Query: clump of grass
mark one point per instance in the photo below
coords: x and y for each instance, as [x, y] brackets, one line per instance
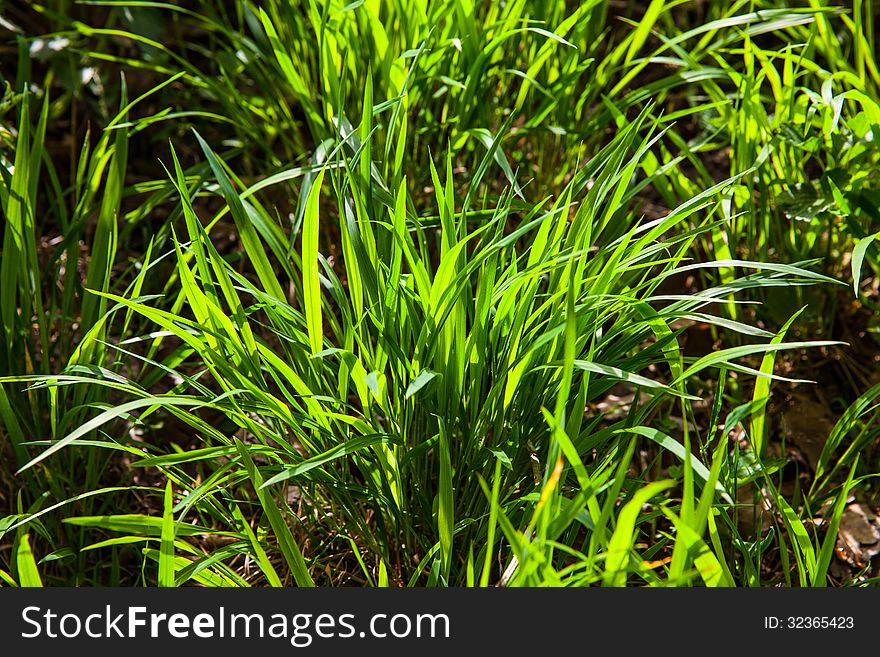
[447, 346]
[458, 352]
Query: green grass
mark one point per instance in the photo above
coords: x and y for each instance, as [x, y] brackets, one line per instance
[407, 295]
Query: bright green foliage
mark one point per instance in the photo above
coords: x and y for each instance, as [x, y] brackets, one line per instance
[448, 262]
